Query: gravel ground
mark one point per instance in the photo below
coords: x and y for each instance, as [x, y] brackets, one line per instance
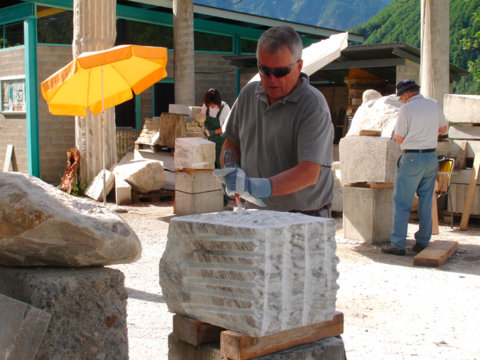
[392, 309]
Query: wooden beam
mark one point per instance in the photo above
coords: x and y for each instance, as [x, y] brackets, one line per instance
[436, 253]
[236, 346]
[470, 193]
[195, 332]
[10, 159]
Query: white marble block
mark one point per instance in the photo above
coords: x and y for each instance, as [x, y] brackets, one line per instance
[462, 108]
[368, 159]
[253, 271]
[194, 153]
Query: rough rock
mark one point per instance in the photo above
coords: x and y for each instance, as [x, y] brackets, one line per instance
[144, 175]
[95, 189]
[194, 153]
[41, 225]
[376, 114]
[257, 272]
[88, 309]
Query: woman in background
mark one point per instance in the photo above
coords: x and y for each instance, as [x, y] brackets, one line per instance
[216, 112]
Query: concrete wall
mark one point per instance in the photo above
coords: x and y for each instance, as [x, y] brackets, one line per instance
[13, 127]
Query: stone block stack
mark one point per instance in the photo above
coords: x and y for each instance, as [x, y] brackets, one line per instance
[463, 116]
[197, 190]
[367, 165]
[53, 251]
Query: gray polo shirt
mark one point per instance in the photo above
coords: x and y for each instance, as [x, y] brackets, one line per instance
[274, 138]
[418, 122]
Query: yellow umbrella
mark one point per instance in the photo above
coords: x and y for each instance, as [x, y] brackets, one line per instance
[102, 79]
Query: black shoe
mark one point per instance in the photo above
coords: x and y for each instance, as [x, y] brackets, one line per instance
[390, 249]
[417, 248]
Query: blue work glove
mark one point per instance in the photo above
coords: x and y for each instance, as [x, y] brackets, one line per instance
[238, 183]
[235, 181]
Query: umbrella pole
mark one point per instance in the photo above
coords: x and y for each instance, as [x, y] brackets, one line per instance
[103, 146]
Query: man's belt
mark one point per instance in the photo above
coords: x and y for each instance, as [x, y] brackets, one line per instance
[419, 150]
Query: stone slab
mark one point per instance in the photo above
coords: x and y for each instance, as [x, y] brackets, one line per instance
[368, 159]
[457, 197]
[367, 214]
[87, 308]
[331, 348]
[123, 192]
[200, 203]
[197, 182]
[95, 189]
[22, 329]
[252, 271]
[462, 108]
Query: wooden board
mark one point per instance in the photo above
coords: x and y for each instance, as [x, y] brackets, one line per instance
[470, 193]
[371, 185]
[195, 332]
[370, 133]
[10, 159]
[436, 253]
[236, 346]
[171, 127]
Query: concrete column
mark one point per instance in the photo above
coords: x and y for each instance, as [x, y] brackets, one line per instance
[434, 60]
[184, 61]
[94, 28]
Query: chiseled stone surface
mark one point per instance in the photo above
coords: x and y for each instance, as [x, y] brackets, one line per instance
[88, 309]
[144, 175]
[257, 272]
[194, 153]
[41, 225]
[368, 158]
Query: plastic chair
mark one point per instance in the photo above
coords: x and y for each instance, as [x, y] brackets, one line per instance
[442, 184]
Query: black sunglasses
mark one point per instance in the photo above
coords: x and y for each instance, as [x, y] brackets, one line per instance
[278, 72]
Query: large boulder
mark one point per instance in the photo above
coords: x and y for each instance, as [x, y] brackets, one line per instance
[41, 225]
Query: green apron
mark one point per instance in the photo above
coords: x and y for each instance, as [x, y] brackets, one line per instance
[212, 124]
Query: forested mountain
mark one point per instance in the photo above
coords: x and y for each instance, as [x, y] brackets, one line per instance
[400, 22]
[333, 14]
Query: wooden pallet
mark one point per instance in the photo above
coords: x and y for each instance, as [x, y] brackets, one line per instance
[153, 196]
[371, 185]
[436, 254]
[235, 346]
[148, 147]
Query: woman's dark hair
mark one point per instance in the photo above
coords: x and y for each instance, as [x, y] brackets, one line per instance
[212, 96]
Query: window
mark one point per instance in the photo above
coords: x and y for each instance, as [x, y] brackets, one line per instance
[55, 26]
[11, 35]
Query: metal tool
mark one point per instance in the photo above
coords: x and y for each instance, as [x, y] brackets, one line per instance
[229, 162]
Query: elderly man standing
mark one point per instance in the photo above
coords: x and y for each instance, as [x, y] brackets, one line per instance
[420, 120]
[280, 132]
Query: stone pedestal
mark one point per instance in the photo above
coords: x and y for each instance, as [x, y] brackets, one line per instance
[367, 214]
[87, 308]
[197, 193]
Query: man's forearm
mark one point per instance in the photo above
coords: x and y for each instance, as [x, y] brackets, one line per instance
[235, 148]
[297, 178]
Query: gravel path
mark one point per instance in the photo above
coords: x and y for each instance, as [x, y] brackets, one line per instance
[392, 310]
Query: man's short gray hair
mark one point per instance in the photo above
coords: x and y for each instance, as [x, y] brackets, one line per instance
[276, 37]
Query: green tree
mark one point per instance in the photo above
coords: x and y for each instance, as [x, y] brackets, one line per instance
[470, 41]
